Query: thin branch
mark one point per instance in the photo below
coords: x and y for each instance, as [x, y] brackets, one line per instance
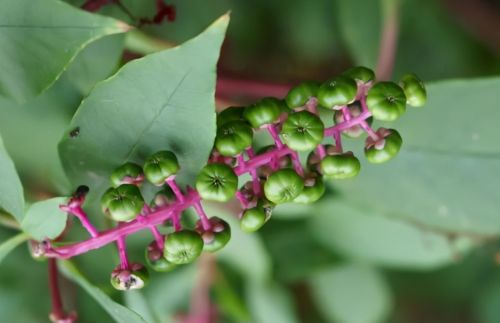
[388, 41]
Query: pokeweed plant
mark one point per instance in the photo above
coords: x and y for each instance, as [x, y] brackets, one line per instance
[277, 175]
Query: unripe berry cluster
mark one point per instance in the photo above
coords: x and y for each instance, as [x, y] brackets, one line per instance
[277, 174]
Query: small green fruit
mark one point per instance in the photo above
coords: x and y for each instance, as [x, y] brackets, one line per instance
[160, 166]
[283, 186]
[155, 259]
[136, 277]
[302, 131]
[337, 92]
[386, 148]
[414, 89]
[217, 237]
[230, 114]
[360, 74]
[299, 95]
[183, 247]
[217, 182]
[128, 173]
[386, 101]
[253, 219]
[233, 137]
[122, 203]
[314, 189]
[340, 166]
[266, 111]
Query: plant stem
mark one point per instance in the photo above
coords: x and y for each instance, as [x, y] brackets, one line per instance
[57, 312]
[388, 42]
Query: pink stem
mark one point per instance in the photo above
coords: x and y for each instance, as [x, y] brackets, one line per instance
[261, 160]
[366, 127]
[338, 141]
[175, 188]
[320, 149]
[155, 218]
[78, 212]
[347, 124]
[176, 222]
[312, 105]
[241, 198]
[253, 173]
[122, 252]
[157, 235]
[274, 133]
[296, 163]
[205, 223]
[346, 113]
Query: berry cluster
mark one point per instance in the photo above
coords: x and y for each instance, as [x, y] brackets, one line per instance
[276, 172]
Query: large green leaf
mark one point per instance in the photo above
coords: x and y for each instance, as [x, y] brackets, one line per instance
[7, 246]
[44, 219]
[11, 190]
[164, 101]
[39, 38]
[352, 293]
[447, 175]
[359, 23]
[270, 302]
[365, 235]
[117, 311]
[95, 62]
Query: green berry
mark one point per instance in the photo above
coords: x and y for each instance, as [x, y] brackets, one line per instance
[122, 203]
[160, 166]
[386, 101]
[360, 74]
[135, 277]
[414, 89]
[299, 95]
[218, 235]
[266, 111]
[233, 137]
[183, 247]
[302, 131]
[283, 186]
[230, 114]
[354, 110]
[217, 182]
[128, 173]
[163, 197]
[253, 219]
[337, 92]
[340, 166]
[155, 259]
[314, 189]
[384, 149]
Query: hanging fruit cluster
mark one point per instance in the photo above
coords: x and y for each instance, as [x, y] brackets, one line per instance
[276, 172]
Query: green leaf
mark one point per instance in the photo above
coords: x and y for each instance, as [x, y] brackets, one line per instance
[11, 190]
[7, 246]
[39, 38]
[352, 293]
[31, 131]
[96, 62]
[359, 23]
[269, 302]
[117, 311]
[170, 293]
[362, 234]
[255, 265]
[44, 219]
[135, 300]
[164, 101]
[447, 175]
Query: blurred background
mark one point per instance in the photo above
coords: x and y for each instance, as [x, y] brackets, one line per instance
[415, 240]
